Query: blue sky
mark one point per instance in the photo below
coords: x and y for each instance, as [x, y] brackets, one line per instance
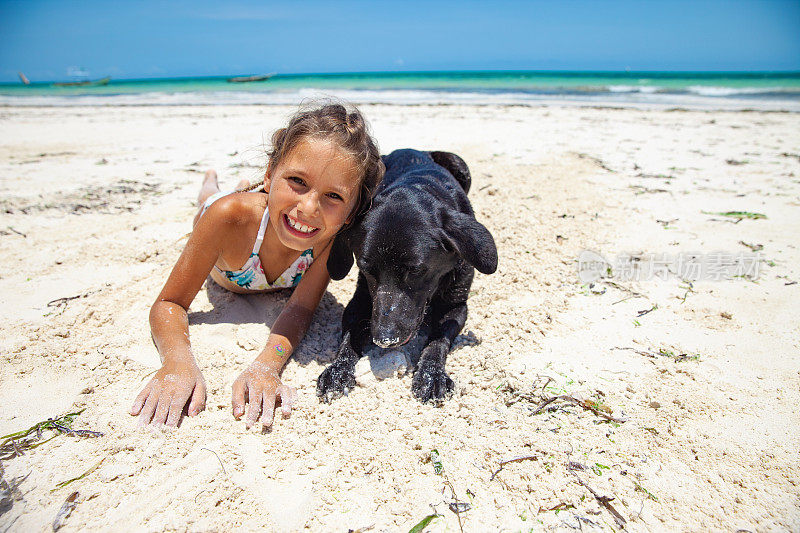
[159, 38]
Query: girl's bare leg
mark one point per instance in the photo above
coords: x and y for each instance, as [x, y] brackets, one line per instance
[210, 186]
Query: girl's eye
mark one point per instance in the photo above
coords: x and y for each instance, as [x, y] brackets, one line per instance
[296, 180]
[334, 196]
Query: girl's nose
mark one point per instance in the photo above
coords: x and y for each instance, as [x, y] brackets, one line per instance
[308, 203]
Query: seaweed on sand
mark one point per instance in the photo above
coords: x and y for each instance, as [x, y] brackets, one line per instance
[15, 444]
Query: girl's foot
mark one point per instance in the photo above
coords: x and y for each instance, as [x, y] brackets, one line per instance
[210, 186]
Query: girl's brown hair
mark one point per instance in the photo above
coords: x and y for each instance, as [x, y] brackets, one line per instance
[348, 130]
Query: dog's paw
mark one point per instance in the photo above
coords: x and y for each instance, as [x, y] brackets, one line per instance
[431, 385]
[334, 382]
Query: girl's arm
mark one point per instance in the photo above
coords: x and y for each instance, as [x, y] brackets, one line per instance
[179, 380]
[260, 384]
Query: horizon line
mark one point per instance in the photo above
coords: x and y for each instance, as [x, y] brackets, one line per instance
[446, 71]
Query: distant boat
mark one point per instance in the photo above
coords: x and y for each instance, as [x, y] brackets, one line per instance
[84, 83]
[244, 79]
[23, 79]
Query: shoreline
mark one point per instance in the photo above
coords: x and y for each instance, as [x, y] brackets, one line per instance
[171, 100]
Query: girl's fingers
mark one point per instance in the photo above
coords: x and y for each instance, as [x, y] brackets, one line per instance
[288, 397]
[237, 400]
[198, 402]
[176, 409]
[138, 403]
[163, 409]
[149, 407]
[269, 410]
[254, 408]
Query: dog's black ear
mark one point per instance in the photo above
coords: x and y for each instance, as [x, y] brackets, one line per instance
[472, 241]
[340, 260]
[456, 166]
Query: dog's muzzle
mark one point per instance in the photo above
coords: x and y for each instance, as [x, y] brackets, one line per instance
[388, 342]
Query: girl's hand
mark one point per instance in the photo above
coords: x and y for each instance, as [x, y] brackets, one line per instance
[164, 398]
[260, 386]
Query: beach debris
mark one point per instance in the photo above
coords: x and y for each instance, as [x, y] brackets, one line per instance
[688, 287]
[597, 408]
[666, 223]
[738, 215]
[562, 506]
[596, 160]
[126, 195]
[663, 352]
[645, 311]
[61, 303]
[78, 478]
[539, 396]
[422, 524]
[678, 358]
[218, 459]
[787, 154]
[631, 293]
[65, 511]
[638, 488]
[655, 176]
[456, 506]
[605, 501]
[641, 189]
[15, 444]
[459, 507]
[753, 247]
[514, 460]
[12, 230]
[436, 461]
[736, 162]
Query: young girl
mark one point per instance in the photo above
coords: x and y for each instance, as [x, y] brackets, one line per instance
[323, 170]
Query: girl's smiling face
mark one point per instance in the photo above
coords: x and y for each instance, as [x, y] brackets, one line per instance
[312, 193]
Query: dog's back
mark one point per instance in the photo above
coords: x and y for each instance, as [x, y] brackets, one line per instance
[447, 173]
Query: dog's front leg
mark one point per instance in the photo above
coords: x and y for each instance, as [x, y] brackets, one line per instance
[339, 378]
[431, 382]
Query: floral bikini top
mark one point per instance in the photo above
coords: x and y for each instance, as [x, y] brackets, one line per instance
[251, 275]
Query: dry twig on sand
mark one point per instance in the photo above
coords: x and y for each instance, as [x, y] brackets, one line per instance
[605, 501]
[514, 460]
[596, 408]
[62, 302]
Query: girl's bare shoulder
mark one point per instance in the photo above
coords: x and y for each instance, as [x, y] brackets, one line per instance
[237, 209]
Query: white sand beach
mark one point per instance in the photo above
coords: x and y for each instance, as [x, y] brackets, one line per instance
[702, 377]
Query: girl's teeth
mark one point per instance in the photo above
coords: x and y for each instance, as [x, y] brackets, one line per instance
[301, 227]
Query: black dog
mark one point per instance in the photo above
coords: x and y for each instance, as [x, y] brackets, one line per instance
[415, 249]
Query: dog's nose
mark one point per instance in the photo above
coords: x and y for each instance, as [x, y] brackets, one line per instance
[387, 342]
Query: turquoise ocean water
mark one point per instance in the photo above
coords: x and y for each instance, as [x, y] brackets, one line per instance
[757, 90]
